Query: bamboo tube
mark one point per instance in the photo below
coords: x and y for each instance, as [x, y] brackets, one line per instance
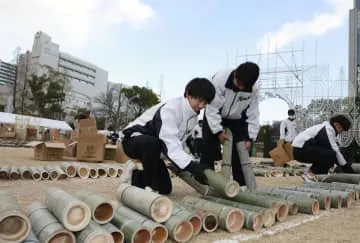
[14, 173]
[230, 218]
[133, 231]
[69, 168]
[222, 185]
[267, 214]
[110, 171]
[190, 180]
[305, 204]
[153, 205]
[350, 186]
[14, 224]
[293, 208]
[116, 233]
[119, 171]
[278, 206]
[46, 226]
[94, 173]
[189, 215]
[44, 174]
[82, 171]
[102, 172]
[31, 238]
[226, 168]
[324, 200]
[209, 219]
[4, 172]
[339, 187]
[94, 233]
[25, 173]
[336, 199]
[102, 210]
[246, 165]
[345, 178]
[74, 214]
[56, 173]
[159, 233]
[261, 172]
[179, 229]
[35, 174]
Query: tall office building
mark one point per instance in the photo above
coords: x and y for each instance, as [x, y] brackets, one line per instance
[7, 81]
[354, 50]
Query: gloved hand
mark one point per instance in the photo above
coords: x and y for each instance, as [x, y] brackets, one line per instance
[197, 170]
[347, 169]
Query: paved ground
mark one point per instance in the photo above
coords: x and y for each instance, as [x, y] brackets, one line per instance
[335, 226]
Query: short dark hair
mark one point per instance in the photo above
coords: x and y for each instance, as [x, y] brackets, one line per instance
[342, 120]
[248, 74]
[200, 88]
[291, 112]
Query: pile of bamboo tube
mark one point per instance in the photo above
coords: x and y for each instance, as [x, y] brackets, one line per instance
[267, 170]
[59, 172]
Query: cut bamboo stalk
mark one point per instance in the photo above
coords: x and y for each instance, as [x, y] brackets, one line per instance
[230, 218]
[14, 173]
[345, 178]
[190, 180]
[267, 214]
[4, 172]
[44, 174]
[69, 168]
[56, 173]
[305, 204]
[82, 171]
[347, 197]
[222, 185]
[189, 215]
[94, 233]
[209, 219]
[35, 174]
[336, 199]
[94, 173]
[324, 200]
[159, 233]
[179, 229]
[116, 233]
[119, 171]
[111, 171]
[74, 214]
[153, 205]
[133, 231]
[339, 187]
[25, 173]
[278, 206]
[246, 165]
[102, 172]
[31, 238]
[350, 186]
[226, 168]
[261, 172]
[102, 210]
[46, 226]
[14, 224]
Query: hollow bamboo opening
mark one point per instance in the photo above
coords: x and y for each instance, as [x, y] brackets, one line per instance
[234, 221]
[210, 223]
[104, 212]
[159, 234]
[141, 236]
[183, 232]
[14, 228]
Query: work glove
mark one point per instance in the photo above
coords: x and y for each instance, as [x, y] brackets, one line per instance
[347, 169]
[197, 170]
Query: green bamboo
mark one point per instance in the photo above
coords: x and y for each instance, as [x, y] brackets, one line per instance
[190, 180]
[221, 184]
[345, 178]
[189, 215]
[226, 168]
[93, 233]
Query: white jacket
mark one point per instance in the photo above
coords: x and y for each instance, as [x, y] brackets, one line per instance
[323, 135]
[232, 104]
[288, 130]
[172, 122]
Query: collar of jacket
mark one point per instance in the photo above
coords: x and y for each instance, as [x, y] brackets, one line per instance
[188, 111]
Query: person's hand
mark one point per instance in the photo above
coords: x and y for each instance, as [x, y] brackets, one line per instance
[347, 169]
[197, 170]
[248, 145]
[222, 137]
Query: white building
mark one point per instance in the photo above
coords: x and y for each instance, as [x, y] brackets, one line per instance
[87, 80]
[7, 80]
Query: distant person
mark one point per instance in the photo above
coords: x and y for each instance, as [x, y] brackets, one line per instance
[288, 129]
[317, 145]
[235, 106]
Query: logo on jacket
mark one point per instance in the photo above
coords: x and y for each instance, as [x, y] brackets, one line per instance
[243, 98]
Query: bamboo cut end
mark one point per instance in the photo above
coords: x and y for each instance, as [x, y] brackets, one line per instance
[315, 207]
[102, 172]
[161, 209]
[327, 202]
[234, 221]
[77, 217]
[349, 200]
[119, 172]
[282, 212]
[26, 175]
[104, 213]
[112, 172]
[100, 238]
[14, 228]
[293, 209]
[94, 173]
[159, 234]
[196, 222]
[339, 202]
[36, 176]
[71, 171]
[183, 232]
[210, 223]
[141, 236]
[268, 218]
[83, 172]
[258, 222]
[62, 236]
[232, 188]
[118, 236]
[45, 175]
[54, 175]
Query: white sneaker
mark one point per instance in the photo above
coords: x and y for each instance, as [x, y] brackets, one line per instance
[127, 173]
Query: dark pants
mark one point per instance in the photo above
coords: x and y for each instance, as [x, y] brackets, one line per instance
[212, 150]
[322, 159]
[147, 149]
